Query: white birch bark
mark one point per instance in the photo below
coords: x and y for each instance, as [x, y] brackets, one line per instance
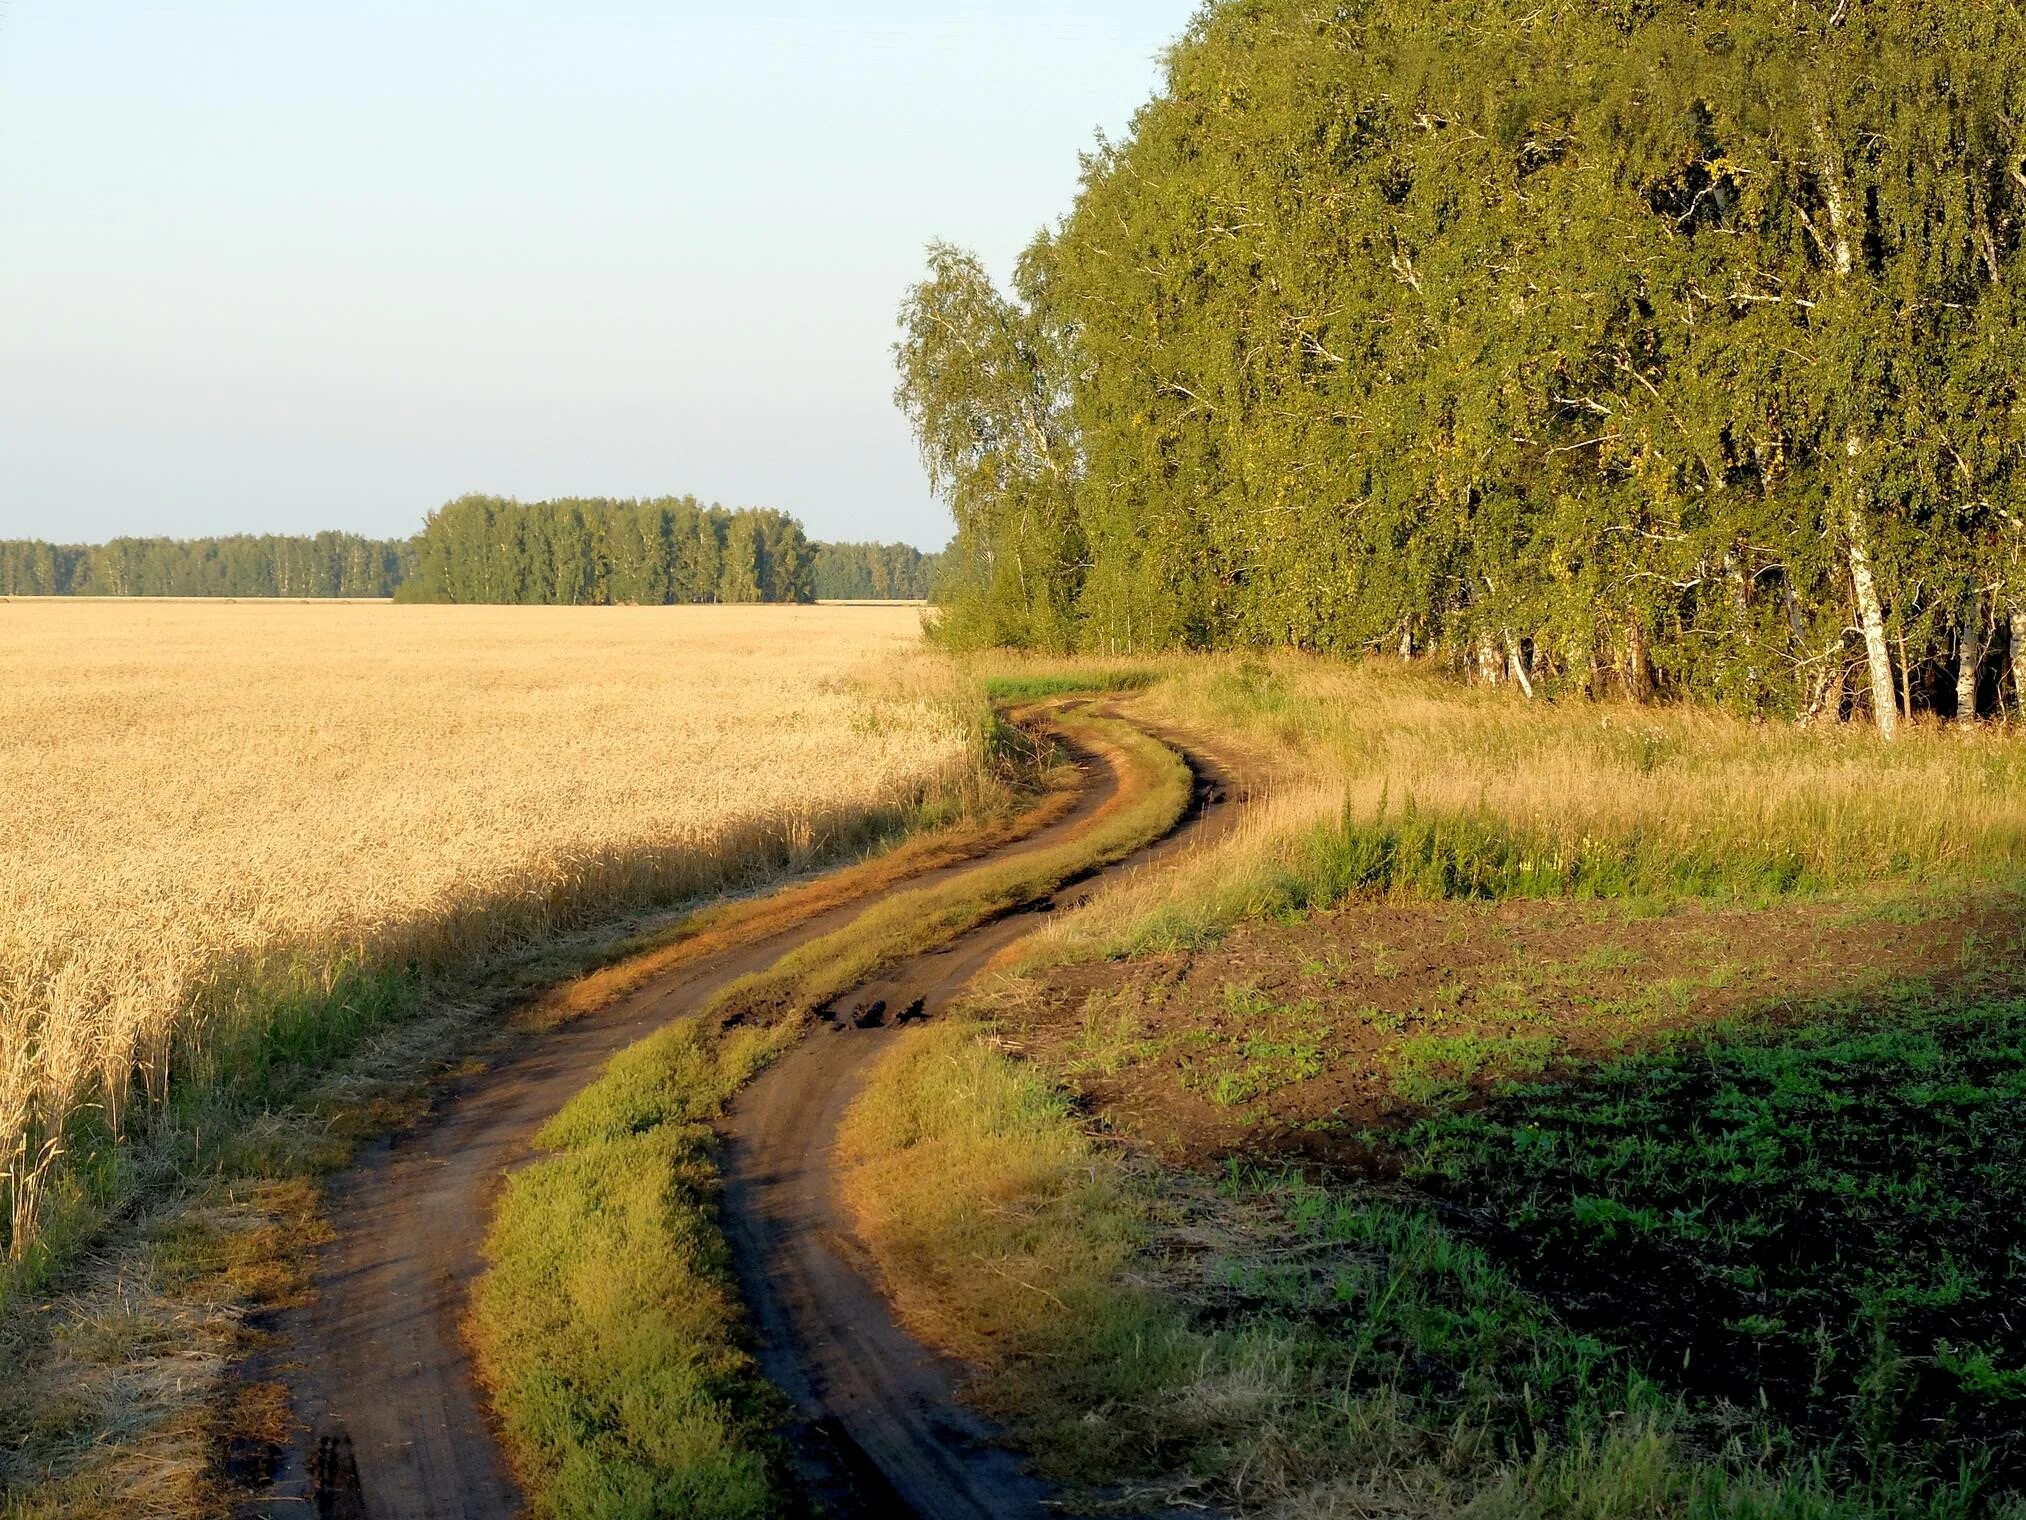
[1519, 666]
[1871, 615]
[2019, 656]
[1970, 647]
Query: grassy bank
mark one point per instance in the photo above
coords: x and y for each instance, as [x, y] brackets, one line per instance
[1668, 1069]
[603, 1325]
[1391, 781]
[1283, 1347]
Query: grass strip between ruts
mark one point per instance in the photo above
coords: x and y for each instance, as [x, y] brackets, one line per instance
[607, 1327]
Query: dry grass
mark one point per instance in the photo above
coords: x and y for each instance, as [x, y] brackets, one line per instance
[213, 815]
[1590, 799]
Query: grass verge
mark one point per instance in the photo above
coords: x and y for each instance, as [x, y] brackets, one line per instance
[1388, 782]
[1756, 1278]
[604, 1326]
[608, 1325]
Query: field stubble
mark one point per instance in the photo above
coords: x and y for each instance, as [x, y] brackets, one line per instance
[228, 829]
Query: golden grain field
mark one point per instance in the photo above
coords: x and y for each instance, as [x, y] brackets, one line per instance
[203, 806]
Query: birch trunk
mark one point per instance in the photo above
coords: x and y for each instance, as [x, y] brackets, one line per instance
[1884, 701]
[1487, 660]
[1639, 668]
[1967, 663]
[1970, 647]
[1519, 666]
[2019, 656]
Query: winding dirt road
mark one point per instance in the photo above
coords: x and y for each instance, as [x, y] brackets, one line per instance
[390, 1422]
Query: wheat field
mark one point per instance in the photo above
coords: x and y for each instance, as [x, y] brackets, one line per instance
[208, 809]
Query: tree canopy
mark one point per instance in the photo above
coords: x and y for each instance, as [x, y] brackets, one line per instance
[1645, 345]
[598, 551]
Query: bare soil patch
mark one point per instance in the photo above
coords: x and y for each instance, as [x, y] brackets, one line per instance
[1299, 1039]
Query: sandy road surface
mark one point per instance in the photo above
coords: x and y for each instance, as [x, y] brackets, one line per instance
[390, 1422]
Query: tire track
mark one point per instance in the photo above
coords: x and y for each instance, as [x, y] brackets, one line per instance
[390, 1422]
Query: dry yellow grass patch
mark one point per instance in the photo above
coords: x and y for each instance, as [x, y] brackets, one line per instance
[205, 808]
[1593, 799]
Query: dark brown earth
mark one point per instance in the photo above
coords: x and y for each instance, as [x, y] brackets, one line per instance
[1298, 1039]
[389, 1420]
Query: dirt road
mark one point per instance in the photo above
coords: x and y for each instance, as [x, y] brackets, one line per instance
[391, 1423]
[882, 1431]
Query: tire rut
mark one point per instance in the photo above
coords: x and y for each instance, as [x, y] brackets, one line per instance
[389, 1420]
[882, 1429]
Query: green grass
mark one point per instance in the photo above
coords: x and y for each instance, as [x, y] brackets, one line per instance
[608, 1326]
[1315, 1350]
[1039, 685]
[1762, 1272]
[1828, 1223]
[1399, 785]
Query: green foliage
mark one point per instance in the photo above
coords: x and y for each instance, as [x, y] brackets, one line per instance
[325, 565]
[1317, 1346]
[874, 573]
[597, 552]
[981, 383]
[1037, 686]
[1600, 341]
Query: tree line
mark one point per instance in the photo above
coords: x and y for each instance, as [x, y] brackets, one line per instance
[322, 565]
[593, 551]
[874, 573]
[493, 549]
[1645, 346]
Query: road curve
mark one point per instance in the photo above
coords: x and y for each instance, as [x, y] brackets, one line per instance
[881, 1431]
[390, 1423]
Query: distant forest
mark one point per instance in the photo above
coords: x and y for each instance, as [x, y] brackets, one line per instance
[325, 565]
[1645, 348]
[589, 551]
[874, 573]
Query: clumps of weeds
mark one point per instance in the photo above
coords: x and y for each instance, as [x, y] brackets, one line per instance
[1275, 1344]
[1826, 1222]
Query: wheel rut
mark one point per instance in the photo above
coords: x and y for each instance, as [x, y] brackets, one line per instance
[390, 1422]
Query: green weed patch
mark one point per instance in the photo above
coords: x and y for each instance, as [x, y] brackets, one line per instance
[1285, 1346]
[1829, 1224]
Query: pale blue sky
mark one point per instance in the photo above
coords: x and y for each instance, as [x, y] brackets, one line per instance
[267, 264]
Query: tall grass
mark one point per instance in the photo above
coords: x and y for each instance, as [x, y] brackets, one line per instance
[233, 836]
[1390, 780]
